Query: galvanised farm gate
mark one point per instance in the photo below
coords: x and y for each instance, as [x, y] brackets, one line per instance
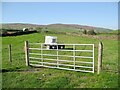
[76, 57]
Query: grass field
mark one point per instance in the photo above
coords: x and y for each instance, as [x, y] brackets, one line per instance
[17, 75]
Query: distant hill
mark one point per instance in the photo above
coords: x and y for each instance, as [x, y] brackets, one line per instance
[19, 26]
[55, 27]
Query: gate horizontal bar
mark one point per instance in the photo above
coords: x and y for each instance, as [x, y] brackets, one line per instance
[65, 44]
[76, 50]
[61, 60]
[61, 50]
[35, 54]
[84, 62]
[34, 58]
[34, 48]
[60, 55]
[61, 68]
[61, 64]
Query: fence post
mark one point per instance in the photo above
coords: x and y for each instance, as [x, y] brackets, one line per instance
[27, 53]
[100, 52]
[10, 53]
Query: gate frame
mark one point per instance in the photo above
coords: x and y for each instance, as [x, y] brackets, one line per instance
[27, 48]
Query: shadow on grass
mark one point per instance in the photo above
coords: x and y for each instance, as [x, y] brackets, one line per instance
[18, 69]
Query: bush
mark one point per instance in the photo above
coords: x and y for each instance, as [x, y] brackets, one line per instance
[85, 32]
[2, 31]
[39, 29]
[91, 32]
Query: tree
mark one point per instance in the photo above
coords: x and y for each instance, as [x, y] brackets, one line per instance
[46, 28]
[85, 31]
[91, 32]
[39, 29]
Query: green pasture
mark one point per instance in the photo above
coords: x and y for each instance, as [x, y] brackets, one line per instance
[17, 75]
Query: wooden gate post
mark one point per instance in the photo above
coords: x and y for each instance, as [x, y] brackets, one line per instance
[10, 53]
[27, 53]
[100, 52]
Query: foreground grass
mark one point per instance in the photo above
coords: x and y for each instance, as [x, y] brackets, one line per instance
[17, 75]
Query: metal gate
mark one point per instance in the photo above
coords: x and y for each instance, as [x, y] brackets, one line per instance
[76, 57]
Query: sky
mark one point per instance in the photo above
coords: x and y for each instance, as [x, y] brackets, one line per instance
[99, 14]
